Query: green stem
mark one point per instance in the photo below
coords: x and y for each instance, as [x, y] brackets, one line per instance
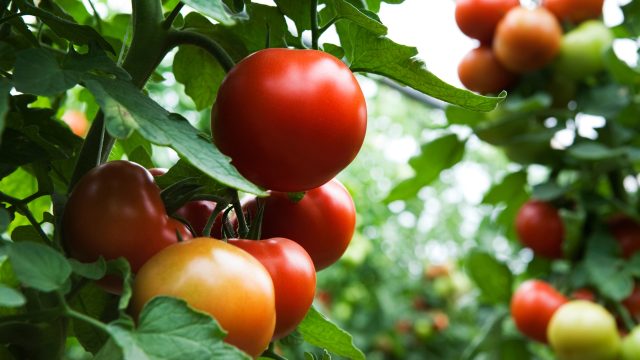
[186, 37]
[22, 207]
[624, 314]
[270, 353]
[206, 232]
[243, 229]
[326, 26]
[96, 15]
[172, 16]
[616, 181]
[12, 16]
[68, 311]
[315, 33]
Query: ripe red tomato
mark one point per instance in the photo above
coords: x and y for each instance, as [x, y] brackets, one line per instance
[478, 18]
[219, 279]
[532, 306]
[527, 39]
[540, 228]
[322, 222]
[574, 10]
[289, 119]
[627, 232]
[115, 210]
[481, 72]
[632, 303]
[293, 275]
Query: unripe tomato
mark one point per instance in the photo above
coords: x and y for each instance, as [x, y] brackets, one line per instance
[481, 72]
[219, 279]
[527, 39]
[478, 18]
[532, 306]
[631, 345]
[627, 233]
[289, 119]
[540, 228]
[582, 50]
[293, 275]
[583, 330]
[574, 10]
[115, 210]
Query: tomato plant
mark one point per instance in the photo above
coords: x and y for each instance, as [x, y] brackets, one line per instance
[293, 275]
[583, 49]
[270, 117]
[627, 232]
[480, 71]
[478, 18]
[323, 222]
[540, 228]
[219, 279]
[115, 210]
[575, 10]
[583, 330]
[532, 306]
[527, 39]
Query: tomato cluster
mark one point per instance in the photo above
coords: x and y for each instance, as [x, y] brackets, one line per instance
[290, 120]
[516, 40]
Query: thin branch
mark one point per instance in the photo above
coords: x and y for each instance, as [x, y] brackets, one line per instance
[186, 37]
[315, 33]
[166, 24]
[96, 16]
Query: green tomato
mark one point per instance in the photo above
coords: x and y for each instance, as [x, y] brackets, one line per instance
[423, 328]
[583, 330]
[631, 345]
[581, 53]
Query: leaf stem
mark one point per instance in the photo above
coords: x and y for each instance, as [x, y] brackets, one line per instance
[22, 208]
[172, 16]
[270, 353]
[315, 31]
[624, 314]
[68, 311]
[326, 26]
[243, 229]
[186, 37]
[96, 15]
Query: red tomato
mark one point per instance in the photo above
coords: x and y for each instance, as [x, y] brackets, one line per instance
[540, 228]
[216, 278]
[478, 18]
[293, 275]
[574, 10]
[532, 306]
[77, 122]
[115, 210]
[289, 119]
[527, 39]
[583, 294]
[481, 72]
[627, 232]
[632, 303]
[322, 222]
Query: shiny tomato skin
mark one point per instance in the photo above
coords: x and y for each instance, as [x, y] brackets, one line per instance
[293, 275]
[289, 119]
[478, 18]
[627, 232]
[323, 222]
[527, 39]
[481, 72]
[574, 10]
[532, 306]
[219, 279]
[540, 228]
[115, 210]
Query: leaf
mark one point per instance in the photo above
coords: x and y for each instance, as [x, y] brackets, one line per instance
[297, 10]
[436, 156]
[460, 115]
[39, 266]
[343, 10]
[93, 301]
[549, 191]
[594, 151]
[265, 24]
[5, 219]
[317, 330]
[5, 87]
[38, 72]
[212, 8]
[121, 100]
[169, 329]
[200, 73]
[510, 192]
[492, 277]
[120, 268]
[606, 271]
[93, 271]
[370, 53]
[10, 297]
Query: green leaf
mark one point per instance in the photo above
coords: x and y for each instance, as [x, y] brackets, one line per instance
[5, 87]
[265, 24]
[606, 271]
[93, 301]
[297, 10]
[39, 266]
[212, 8]
[493, 278]
[93, 271]
[343, 10]
[38, 72]
[169, 329]
[317, 330]
[370, 53]
[10, 297]
[549, 191]
[5, 219]
[123, 103]
[200, 73]
[121, 268]
[460, 115]
[436, 156]
[225, 36]
[594, 151]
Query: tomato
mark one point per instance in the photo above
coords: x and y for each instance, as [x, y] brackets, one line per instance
[527, 39]
[478, 18]
[115, 210]
[539, 227]
[322, 222]
[293, 275]
[289, 119]
[627, 233]
[481, 72]
[219, 279]
[532, 306]
[583, 330]
[440, 321]
[77, 122]
[632, 303]
[574, 10]
[631, 345]
[582, 50]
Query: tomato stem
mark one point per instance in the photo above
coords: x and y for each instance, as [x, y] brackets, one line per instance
[172, 16]
[243, 229]
[270, 353]
[22, 208]
[315, 31]
[624, 314]
[206, 232]
[185, 37]
[255, 230]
